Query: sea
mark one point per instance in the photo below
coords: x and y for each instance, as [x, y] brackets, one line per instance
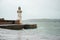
[44, 31]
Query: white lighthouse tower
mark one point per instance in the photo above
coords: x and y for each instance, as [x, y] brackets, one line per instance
[19, 11]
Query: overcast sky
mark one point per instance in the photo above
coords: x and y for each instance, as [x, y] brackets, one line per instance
[32, 9]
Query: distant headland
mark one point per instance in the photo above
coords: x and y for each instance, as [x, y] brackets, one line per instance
[43, 20]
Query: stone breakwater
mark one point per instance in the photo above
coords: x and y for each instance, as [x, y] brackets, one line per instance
[18, 26]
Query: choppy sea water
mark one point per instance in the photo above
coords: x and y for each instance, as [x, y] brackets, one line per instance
[44, 31]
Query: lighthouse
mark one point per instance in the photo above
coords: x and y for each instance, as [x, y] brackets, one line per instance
[19, 12]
